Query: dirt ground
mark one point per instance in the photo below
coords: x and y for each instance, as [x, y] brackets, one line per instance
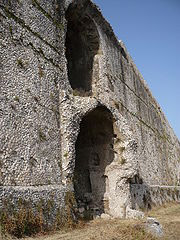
[118, 229]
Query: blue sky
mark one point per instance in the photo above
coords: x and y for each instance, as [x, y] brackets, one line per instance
[150, 30]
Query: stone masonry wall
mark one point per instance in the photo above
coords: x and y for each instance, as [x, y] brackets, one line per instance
[158, 147]
[118, 85]
[32, 68]
[31, 71]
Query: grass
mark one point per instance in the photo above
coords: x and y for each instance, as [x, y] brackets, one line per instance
[20, 223]
[169, 217]
[122, 229]
[20, 63]
[102, 230]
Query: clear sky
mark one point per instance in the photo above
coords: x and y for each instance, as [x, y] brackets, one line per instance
[150, 30]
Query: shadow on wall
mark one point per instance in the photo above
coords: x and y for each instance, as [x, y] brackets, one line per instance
[82, 44]
[144, 197]
[94, 152]
[140, 194]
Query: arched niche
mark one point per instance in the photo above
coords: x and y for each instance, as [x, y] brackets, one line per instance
[82, 44]
[94, 152]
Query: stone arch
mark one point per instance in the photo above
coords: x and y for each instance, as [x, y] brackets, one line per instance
[94, 152]
[82, 44]
[117, 196]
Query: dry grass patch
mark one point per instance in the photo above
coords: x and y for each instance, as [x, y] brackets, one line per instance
[121, 229]
[115, 229]
[169, 216]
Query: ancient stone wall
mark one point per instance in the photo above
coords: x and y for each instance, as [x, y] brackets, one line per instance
[60, 63]
[31, 70]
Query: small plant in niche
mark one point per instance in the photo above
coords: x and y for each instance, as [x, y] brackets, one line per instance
[81, 92]
[20, 63]
[54, 109]
[75, 92]
[53, 98]
[42, 135]
[41, 73]
[10, 29]
[122, 148]
[123, 161]
[116, 104]
[66, 155]
[16, 98]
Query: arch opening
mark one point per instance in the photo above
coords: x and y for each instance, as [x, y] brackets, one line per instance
[82, 44]
[94, 152]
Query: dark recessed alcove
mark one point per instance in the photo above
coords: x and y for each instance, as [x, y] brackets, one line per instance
[94, 152]
[82, 44]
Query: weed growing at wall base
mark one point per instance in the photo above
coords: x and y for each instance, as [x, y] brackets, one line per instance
[27, 220]
[21, 223]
